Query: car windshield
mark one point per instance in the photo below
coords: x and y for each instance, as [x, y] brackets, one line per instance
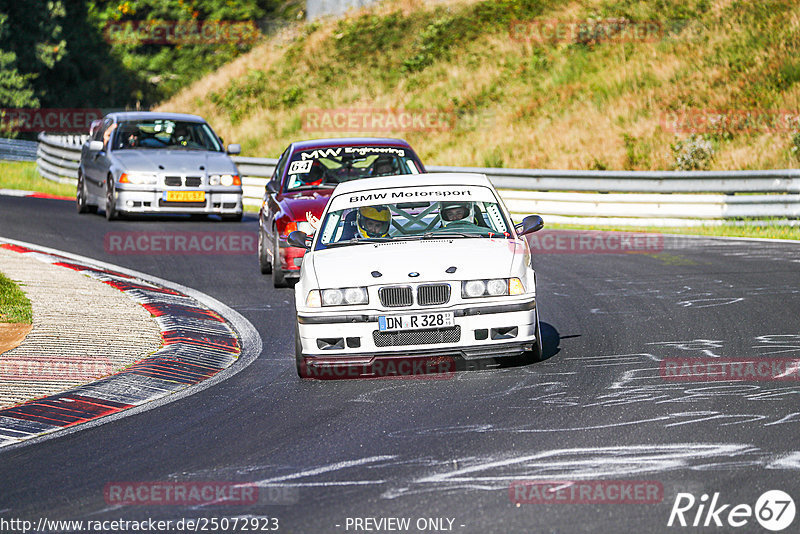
[165, 134]
[326, 167]
[446, 211]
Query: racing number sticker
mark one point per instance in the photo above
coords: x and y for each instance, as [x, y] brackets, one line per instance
[300, 167]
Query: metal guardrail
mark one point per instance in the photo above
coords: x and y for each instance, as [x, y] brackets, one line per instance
[17, 150]
[58, 157]
[634, 198]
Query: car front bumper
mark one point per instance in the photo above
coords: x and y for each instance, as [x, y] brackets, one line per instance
[479, 331]
[221, 202]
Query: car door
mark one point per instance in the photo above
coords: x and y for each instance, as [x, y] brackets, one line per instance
[95, 163]
[273, 189]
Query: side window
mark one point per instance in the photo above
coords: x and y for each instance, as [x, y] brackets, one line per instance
[107, 130]
[279, 168]
[98, 134]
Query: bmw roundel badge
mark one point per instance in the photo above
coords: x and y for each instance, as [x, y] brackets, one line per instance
[413, 275]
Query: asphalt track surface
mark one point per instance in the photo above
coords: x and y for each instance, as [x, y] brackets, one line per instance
[596, 409]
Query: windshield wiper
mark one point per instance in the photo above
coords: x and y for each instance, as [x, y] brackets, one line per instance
[360, 241]
[429, 235]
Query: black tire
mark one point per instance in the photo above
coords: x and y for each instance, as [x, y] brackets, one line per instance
[264, 262]
[80, 195]
[302, 370]
[278, 278]
[111, 210]
[537, 354]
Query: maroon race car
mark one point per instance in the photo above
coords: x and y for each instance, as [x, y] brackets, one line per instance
[304, 178]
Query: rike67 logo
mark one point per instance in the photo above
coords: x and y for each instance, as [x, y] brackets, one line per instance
[774, 510]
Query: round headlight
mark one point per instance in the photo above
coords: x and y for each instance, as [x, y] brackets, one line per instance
[498, 286]
[226, 180]
[214, 179]
[474, 288]
[355, 295]
[332, 297]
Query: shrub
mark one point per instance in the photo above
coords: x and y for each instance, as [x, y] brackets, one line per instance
[693, 154]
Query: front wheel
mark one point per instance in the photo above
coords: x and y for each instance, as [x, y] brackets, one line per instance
[278, 278]
[264, 262]
[111, 207]
[80, 196]
[537, 353]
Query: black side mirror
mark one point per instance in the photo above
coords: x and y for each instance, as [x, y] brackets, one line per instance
[297, 239]
[530, 224]
[271, 187]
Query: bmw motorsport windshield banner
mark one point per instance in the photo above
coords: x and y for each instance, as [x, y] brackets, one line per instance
[411, 194]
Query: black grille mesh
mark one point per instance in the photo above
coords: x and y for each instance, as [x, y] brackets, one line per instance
[416, 337]
[193, 181]
[430, 294]
[173, 181]
[395, 297]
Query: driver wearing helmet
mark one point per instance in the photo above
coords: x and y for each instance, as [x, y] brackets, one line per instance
[384, 165]
[315, 175]
[456, 213]
[180, 136]
[374, 221]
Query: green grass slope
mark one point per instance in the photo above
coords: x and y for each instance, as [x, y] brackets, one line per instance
[584, 101]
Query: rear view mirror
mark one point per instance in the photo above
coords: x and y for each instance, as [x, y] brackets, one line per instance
[297, 239]
[530, 224]
[95, 146]
[234, 149]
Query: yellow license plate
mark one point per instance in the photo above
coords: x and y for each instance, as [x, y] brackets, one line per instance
[185, 196]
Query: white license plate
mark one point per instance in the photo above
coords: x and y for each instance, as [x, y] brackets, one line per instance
[415, 322]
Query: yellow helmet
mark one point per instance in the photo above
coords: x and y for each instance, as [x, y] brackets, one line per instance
[374, 221]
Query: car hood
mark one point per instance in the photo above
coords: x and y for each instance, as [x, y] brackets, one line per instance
[353, 265]
[183, 161]
[296, 205]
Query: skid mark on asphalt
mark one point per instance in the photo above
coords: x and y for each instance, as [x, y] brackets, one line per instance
[637, 380]
[491, 474]
[398, 476]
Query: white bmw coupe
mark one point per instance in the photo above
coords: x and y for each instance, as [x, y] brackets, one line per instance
[406, 272]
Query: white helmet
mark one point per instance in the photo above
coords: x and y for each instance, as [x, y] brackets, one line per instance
[454, 212]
